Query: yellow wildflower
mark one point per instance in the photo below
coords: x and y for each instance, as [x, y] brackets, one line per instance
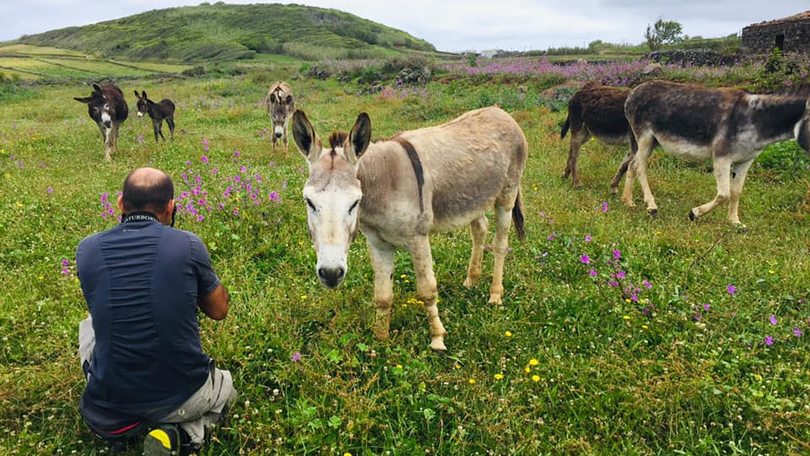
[508, 334]
[303, 297]
[528, 369]
[533, 362]
[535, 378]
[644, 326]
[626, 317]
[403, 276]
[19, 204]
[498, 376]
[472, 381]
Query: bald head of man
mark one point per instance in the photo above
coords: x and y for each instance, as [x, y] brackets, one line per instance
[148, 190]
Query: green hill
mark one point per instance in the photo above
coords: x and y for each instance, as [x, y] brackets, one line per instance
[229, 32]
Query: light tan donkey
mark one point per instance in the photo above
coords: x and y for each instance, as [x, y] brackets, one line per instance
[400, 191]
[280, 107]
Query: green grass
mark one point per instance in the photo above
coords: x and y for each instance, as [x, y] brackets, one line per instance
[611, 376]
[43, 63]
[221, 32]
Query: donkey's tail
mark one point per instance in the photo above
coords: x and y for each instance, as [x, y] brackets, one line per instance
[565, 126]
[517, 218]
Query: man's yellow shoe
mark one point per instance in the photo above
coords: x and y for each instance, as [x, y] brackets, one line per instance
[162, 441]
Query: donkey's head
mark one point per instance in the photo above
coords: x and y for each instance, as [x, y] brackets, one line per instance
[143, 107]
[279, 105]
[99, 107]
[332, 192]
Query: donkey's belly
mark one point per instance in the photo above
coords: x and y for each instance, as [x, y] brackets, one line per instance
[447, 224]
[685, 149]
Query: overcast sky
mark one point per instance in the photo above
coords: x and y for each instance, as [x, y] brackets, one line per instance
[458, 25]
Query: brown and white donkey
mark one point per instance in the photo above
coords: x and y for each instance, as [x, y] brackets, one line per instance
[730, 126]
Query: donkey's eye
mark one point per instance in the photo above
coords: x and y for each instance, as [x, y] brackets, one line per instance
[353, 206]
[311, 206]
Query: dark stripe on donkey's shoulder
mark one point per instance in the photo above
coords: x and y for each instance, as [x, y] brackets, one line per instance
[416, 163]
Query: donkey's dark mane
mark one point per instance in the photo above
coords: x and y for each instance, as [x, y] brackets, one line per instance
[337, 138]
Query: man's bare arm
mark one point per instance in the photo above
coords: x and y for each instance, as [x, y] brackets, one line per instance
[215, 303]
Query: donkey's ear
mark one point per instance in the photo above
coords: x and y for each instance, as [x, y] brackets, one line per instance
[137, 95]
[359, 138]
[84, 99]
[143, 94]
[305, 137]
[96, 88]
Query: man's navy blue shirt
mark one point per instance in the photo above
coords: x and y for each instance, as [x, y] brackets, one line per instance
[142, 280]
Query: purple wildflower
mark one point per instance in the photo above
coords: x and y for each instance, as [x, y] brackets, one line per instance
[773, 320]
[706, 307]
[797, 332]
[588, 238]
[768, 340]
[274, 196]
[204, 159]
[617, 254]
[65, 262]
[295, 357]
[236, 153]
[585, 259]
[49, 190]
[592, 272]
[620, 274]
[647, 284]
[604, 206]
[731, 289]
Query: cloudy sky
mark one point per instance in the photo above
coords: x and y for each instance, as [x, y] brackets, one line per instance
[458, 25]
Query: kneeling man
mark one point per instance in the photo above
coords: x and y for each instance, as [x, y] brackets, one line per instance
[140, 348]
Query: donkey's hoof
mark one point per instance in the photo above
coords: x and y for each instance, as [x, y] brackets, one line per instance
[741, 228]
[653, 213]
[470, 282]
[495, 299]
[692, 215]
[437, 345]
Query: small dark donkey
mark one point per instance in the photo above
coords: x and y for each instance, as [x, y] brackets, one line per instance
[158, 112]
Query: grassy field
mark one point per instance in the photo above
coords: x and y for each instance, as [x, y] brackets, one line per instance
[687, 338]
[48, 64]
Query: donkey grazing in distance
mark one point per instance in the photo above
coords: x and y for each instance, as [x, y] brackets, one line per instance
[401, 190]
[107, 106]
[280, 107]
[597, 111]
[729, 125]
[158, 112]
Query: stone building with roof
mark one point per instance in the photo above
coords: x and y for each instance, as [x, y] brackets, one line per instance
[789, 34]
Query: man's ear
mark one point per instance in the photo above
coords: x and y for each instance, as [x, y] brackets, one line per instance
[121, 204]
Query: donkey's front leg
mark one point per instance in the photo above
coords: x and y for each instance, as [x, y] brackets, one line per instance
[382, 260]
[737, 181]
[722, 174]
[426, 289]
[478, 228]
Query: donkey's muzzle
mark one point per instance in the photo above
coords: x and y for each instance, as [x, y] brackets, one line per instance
[278, 134]
[107, 124]
[331, 277]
